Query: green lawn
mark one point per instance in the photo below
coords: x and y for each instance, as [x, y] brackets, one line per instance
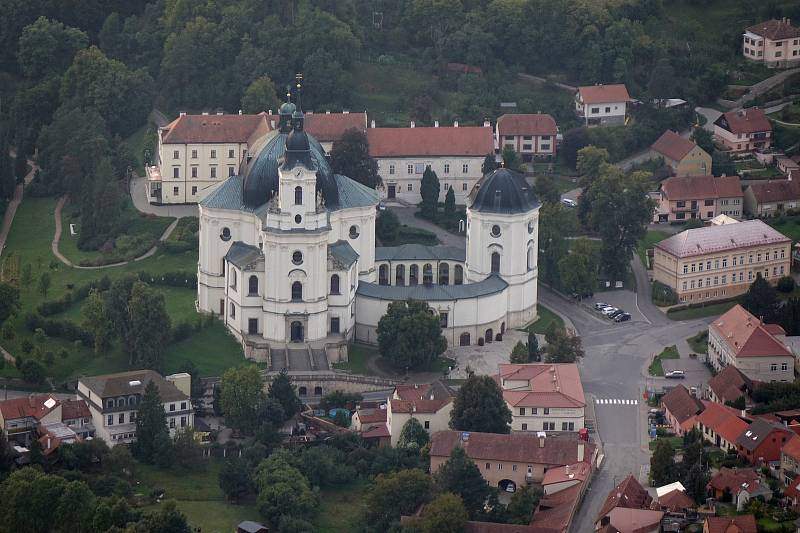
[787, 226]
[546, 317]
[341, 509]
[651, 238]
[670, 352]
[357, 359]
[677, 442]
[700, 312]
[699, 343]
[141, 139]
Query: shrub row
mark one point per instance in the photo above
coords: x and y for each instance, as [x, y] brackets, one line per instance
[58, 328]
[701, 304]
[75, 295]
[177, 247]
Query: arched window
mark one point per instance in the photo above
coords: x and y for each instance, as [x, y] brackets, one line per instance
[131, 400]
[317, 391]
[413, 274]
[298, 195]
[383, 275]
[489, 335]
[496, 262]
[297, 291]
[459, 275]
[463, 340]
[530, 258]
[302, 391]
[121, 402]
[232, 275]
[427, 274]
[400, 275]
[252, 285]
[335, 284]
[110, 404]
[444, 274]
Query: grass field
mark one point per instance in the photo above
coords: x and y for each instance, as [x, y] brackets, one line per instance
[546, 318]
[700, 312]
[650, 239]
[341, 509]
[677, 442]
[699, 343]
[357, 359]
[789, 227]
[670, 352]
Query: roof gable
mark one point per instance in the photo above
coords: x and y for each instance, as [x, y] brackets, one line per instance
[770, 191]
[681, 404]
[603, 94]
[730, 384]
[747, 336]
[751, 120]
[629, 493]
[526, 124]
[701, 187]
[673, 145]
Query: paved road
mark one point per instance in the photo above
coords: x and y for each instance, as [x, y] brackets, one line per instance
[11, 209]
[406, 216]
[138, 189]
[764, 86]
[710, 114]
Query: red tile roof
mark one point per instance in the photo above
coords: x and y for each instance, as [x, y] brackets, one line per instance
[556, 510]
[329, 127]
[474, 141]
[576, 471]
[376, 432]
[723, 420]
[516, 447]
[628, 520]
[733, 478]
[701, 187]
[681, 404]
[771, 191]
[418, 406]
[676, 501]
[71, 409]
[30, 406]
[793, 489]
[367, 416]
[526, 124]
[746, 335]
[730, 384]
[775, 30]
[751, 120]
[190, 129]
[673, 146]
[603, 94]
[629, 494]
[731, 524]
[548, 385]
[792, 448]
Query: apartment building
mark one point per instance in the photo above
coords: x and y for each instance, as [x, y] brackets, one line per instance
[455, 153]
[114, 399]
[776, 43]
[682, 155]
[790, 459]
[543, 397]
[756, 349]
[745, 130]
[714, 262]
[698, 197]
[602, 105]
[530, 135]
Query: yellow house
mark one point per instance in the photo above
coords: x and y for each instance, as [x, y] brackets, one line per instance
[682, 155]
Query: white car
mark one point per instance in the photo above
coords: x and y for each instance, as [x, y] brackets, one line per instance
[600, 305]
[609, 311]
[569, 203]
[675, 374]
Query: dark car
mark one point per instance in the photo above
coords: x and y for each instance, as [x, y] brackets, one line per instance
[616, 313]
[622, 317]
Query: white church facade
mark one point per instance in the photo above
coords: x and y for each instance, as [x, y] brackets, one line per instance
[288, 258]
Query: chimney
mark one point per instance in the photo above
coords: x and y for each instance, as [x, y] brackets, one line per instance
[182, 113]
[345, 112]
[412, 124]
[205, 113]
[541, 442]
[220, 113]
[327, 111]
[486, 124]
[270, 112]
[435, 123]
[240, 111]
[48, 441]
[372, 123]
[455, 123]
[581, 451]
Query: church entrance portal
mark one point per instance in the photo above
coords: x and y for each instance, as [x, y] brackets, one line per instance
[391, 191]
[297, 332]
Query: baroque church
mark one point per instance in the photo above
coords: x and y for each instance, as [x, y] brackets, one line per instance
[288, 258]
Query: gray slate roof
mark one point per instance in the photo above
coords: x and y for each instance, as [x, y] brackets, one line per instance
[490, 285]
[418, 251]
[757, 432]
[342, 254]
[243, 255]
[227, 196]
[112, 385]
[353, 194]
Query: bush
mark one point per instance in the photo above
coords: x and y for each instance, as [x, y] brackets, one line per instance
[786, 284]
[32, 371]
[663, 295]
[184, 330]
[177, 247]
[387, 226]
[339, 398]
[58, 328]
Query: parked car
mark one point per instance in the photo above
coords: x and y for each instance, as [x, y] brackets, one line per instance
[675, 374]
[616, 313]
[381, 206]
[569, 203]
[622, 317]
[600, 305]
[609, 311]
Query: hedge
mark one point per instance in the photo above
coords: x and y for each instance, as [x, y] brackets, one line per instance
[701, 304]
[182, 279]
[58, 328]
[75, 295]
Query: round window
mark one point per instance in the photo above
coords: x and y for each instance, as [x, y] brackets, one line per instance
[530, 226]
[495, 231]
[226, 234]
[353, 232]
[298, 219]
[297, 257]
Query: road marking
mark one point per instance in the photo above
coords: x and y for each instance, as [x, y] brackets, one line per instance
[615, 401]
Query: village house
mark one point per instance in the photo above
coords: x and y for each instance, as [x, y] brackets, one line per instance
[698, 197]
[746, 130]
[790, 459]
[776, 43]
[543, 397]
[429, 403]
[365, 419]
[720, 425]
[713, 262]
[761, 442]
[729, 385]
[738, 485]
[787, 164]
[602, 105]
[739, 339]
[675, 502]
[530, 135]
[730, 524]
[516, 458]
[680, 408]
[114, 399]
[771, 197]
[195, 153]
[683, 156]
[455, 154]
[30, 417]
[628, 507]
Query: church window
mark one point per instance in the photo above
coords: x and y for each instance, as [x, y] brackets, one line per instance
[400, 275]
[298, 195]
[410, 187]
[233, 310]
[465, 168]
[383, 275]
[459, 275]
[175, 154]
[427, 274]
[391, 169]
[410, 169]
[231, 171]
[531, 225]
[233, 279]
[194, 190]
[194, 172]
[225, 235]
[334, 324]
[194, 154]
[230, 154]
[297, 257]
[413, 275]
[495, 231]
[175, 191]
[353, 232]
[444, 274]
[176, 172]
[297, 291]
[252, 285]
[447, 168]
[530, 258]
[496, 262]
[298, 219]
[464, 186]
[335, 284]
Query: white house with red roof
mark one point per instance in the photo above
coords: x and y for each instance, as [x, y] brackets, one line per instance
[746, 130]
[776, 43]
[739, 339]
[530, 135]
[455, 153]
[698, 197]
[543, 397]
[429, 403]
[602, 105]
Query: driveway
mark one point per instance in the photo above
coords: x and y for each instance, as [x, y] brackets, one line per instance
[406, 216]
[711, 115]
[138, 188]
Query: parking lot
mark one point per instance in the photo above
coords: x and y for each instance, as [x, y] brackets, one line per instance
[621, 299]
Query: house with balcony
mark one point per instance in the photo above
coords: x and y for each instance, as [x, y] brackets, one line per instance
[775, 43]
[746, 130]
[113, 401]
[698, 197]
[602, 105]
[790, 459]
[543, 397]
[683, 156]
[37, 415]
[530, 135]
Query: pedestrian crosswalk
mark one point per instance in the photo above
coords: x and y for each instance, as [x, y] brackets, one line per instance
[615, 401]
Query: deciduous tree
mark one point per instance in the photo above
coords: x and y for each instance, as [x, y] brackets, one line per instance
[350, 157]
[387, 226]
[396, 494]
[761, 299]
[149, 327]
[662, 464]
[562, 347]
[9, 300]
[461, 476]
[260, 96]
[8, 182]
[95, 320]
[413, 435]
[546, 190]
[479, 406]
[523, 502]
[234, 479]
[519, 354]
[242, 397]
[282, 390]
[556, 223]
[44, 283]
[511, 159]
[46, 47]
[409, 335]
[445, 514]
